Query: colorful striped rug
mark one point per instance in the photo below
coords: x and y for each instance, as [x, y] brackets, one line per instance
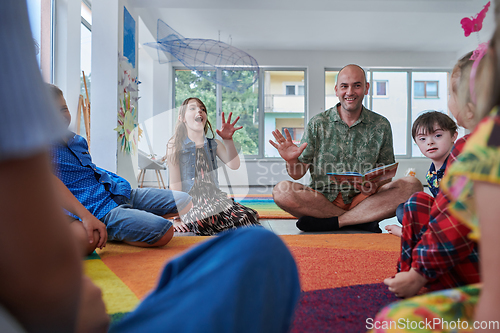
[352, 265]
[263, 204]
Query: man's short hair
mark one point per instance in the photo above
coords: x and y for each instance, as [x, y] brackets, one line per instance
[364, 73]
[426, 121]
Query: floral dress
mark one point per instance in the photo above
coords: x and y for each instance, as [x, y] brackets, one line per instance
[212, 210]
[480, 161]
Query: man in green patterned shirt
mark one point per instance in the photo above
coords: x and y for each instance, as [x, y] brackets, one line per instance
[345, 138]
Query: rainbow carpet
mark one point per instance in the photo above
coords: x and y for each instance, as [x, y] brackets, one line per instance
[341, 276]
[263, 204]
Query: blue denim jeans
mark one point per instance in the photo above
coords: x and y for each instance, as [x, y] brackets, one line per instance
[243, 280]
[139, 219]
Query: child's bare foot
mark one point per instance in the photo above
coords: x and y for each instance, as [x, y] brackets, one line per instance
[394, 229]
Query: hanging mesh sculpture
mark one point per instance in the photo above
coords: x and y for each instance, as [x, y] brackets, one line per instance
[206, 55]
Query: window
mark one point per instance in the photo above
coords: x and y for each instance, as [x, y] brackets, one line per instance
[190, 84]
[40, 13]
[422, 104]
[281, 105]
[295, 132]
[294, 89]
[245, 105]
[85, 54]
[301, 90]
[283, 110]
[85, 46]
[380, 88]
[331, 98]
[426, 89]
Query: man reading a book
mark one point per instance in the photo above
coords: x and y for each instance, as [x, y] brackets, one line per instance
[345, 138]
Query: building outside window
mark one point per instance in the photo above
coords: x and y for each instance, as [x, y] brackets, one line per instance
[283, 108]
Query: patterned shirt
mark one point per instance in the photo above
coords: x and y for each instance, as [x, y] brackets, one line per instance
[333, 146]
[434, 177]
[97, 189]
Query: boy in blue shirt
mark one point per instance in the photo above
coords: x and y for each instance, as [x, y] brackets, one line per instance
[434, 133]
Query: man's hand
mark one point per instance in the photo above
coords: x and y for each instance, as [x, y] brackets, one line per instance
[91, 223]
[406, 284]
[286, 148]
[92, 316]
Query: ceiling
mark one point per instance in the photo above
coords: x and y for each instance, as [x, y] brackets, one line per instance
[323, 25]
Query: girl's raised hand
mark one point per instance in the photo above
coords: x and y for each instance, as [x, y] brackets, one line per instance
[227, 129]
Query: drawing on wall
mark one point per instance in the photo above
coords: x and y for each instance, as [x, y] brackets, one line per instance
[128, 129]
[205, 55]
[129, 37]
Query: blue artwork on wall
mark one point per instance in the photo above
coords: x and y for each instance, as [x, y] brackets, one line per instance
[129, 37]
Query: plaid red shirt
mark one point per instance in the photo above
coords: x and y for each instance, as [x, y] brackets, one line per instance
[434, 243]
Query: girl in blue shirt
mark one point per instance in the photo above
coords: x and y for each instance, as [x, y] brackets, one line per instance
[192, 163]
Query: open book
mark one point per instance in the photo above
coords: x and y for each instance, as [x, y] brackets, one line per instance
[380, 176]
